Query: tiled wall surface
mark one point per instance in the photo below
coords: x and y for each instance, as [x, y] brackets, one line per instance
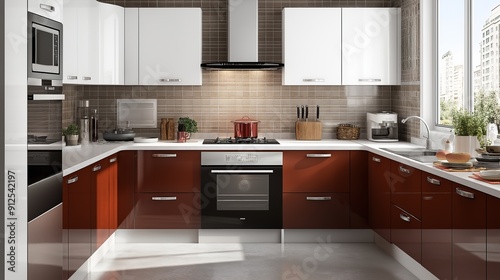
[225, 96]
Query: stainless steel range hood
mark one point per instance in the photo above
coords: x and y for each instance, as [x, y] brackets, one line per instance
[243, 39]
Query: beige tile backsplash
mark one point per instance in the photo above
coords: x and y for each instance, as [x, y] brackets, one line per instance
[225, 96]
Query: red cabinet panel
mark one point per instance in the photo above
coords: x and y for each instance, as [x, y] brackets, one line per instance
[127, 170]
[315, 210]
[100, 203]
[406, 188]
[493, 237]
[168, 171]
[379, 195]
[436, 225]
[359, 189]
[406, 232]
[167, 210]
[316, 171]
[469, 233]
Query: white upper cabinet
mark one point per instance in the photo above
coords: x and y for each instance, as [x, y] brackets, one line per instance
[169, 46]
[52, 9]
[93, 43]
[312, 46]
[371, 46]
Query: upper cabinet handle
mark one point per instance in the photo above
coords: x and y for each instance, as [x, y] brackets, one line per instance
[170, 80]
[164, 155]
[72, 77]
[319, 155]
[112, 160]
[97, 168]
[313, 80]
[376, 159]
[369, 80]
[73, 180]
[48, 8]
[433, 181]
[464, 193]
[86, 78]
[404, 170]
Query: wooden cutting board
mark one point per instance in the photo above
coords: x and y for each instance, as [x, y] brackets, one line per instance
[311, 130]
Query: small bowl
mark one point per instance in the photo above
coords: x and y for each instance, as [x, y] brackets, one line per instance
[493, 149]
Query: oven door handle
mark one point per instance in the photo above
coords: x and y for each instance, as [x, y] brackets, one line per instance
[242, 171]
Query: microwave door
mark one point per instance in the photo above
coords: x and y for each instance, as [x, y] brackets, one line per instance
[45, 56]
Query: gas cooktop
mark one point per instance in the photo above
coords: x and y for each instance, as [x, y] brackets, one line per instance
[230, 140]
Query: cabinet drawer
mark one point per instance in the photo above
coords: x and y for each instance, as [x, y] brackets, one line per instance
[406, 188]
[167, 210]
[316, 171]
[406, 232]
[168, 171]
[315, 210]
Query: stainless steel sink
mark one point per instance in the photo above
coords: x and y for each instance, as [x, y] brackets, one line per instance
[418, 154]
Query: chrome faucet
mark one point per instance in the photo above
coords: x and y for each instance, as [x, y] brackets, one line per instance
[428, 142]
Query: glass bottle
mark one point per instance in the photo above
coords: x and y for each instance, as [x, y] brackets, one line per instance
[94, 126]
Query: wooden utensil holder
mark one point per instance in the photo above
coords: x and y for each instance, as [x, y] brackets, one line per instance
[311, 130]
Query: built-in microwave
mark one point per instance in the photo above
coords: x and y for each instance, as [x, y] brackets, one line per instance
[44, 51]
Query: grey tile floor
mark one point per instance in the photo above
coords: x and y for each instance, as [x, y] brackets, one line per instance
[248, 261]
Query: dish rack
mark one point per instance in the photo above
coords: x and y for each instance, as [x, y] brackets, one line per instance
[347, 131]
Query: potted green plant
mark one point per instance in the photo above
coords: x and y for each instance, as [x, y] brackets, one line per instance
[190, 125]
[470, 130]
[71, 133]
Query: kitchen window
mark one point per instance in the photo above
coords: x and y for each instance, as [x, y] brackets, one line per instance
[466, 54]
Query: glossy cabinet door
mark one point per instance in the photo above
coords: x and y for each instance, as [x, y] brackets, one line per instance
[359, 189]
[493, 237]
[316, 171]
[127, 174]
[168, 171]
[312, 46]
[379, 180]
[111, 44]
[436, 225]
[469, 233]
[406, 232]
[70, 43]
[315, 210]
[167, 211]
[170, 46]
[371, 51]
[52, 9]
[100, 203]
[406, 188]
[77, 219]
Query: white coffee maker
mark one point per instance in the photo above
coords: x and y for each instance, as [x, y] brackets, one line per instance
[382, 126]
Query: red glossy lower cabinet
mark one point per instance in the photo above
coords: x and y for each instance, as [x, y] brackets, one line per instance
[359, 189]
[406, 188]
[167, 211]
[436, 225]
[406, 232]
[315, 210]
[100, 203]
[493, 235]
[126, 188]
[469, 233]
[379, 193]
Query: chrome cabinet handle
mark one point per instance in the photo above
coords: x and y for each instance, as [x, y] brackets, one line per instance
[86, 78]
[73, 180]
[404, 217]
[313, 80]
[164, 198]
[464, 193]
[111, 160]
[170, 80]
[427, 198]
[72, 77]
[433, 181]
[319, 155]
[242, 171]
[243, 219]
[36, 96]
[376, 159]
[164, 155]
[404, 170]
[97, 168]
[369, 80]
[317, 198]
[48, 8]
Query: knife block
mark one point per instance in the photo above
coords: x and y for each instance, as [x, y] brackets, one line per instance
[311, 130]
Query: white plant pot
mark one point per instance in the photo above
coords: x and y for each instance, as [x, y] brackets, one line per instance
[72, 140]
[466, 144]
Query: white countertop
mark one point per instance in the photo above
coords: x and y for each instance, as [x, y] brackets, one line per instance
[77, 157]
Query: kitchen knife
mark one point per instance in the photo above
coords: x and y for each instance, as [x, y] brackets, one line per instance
[307, 112]
[317, 113]
[302, 112]
[298, 113]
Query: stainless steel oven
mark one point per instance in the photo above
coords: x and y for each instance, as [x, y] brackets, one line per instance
[241, 190]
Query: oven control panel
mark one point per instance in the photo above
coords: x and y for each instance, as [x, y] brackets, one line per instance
[241, 157]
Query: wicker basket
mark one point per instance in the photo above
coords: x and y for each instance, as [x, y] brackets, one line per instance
[347, 132]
